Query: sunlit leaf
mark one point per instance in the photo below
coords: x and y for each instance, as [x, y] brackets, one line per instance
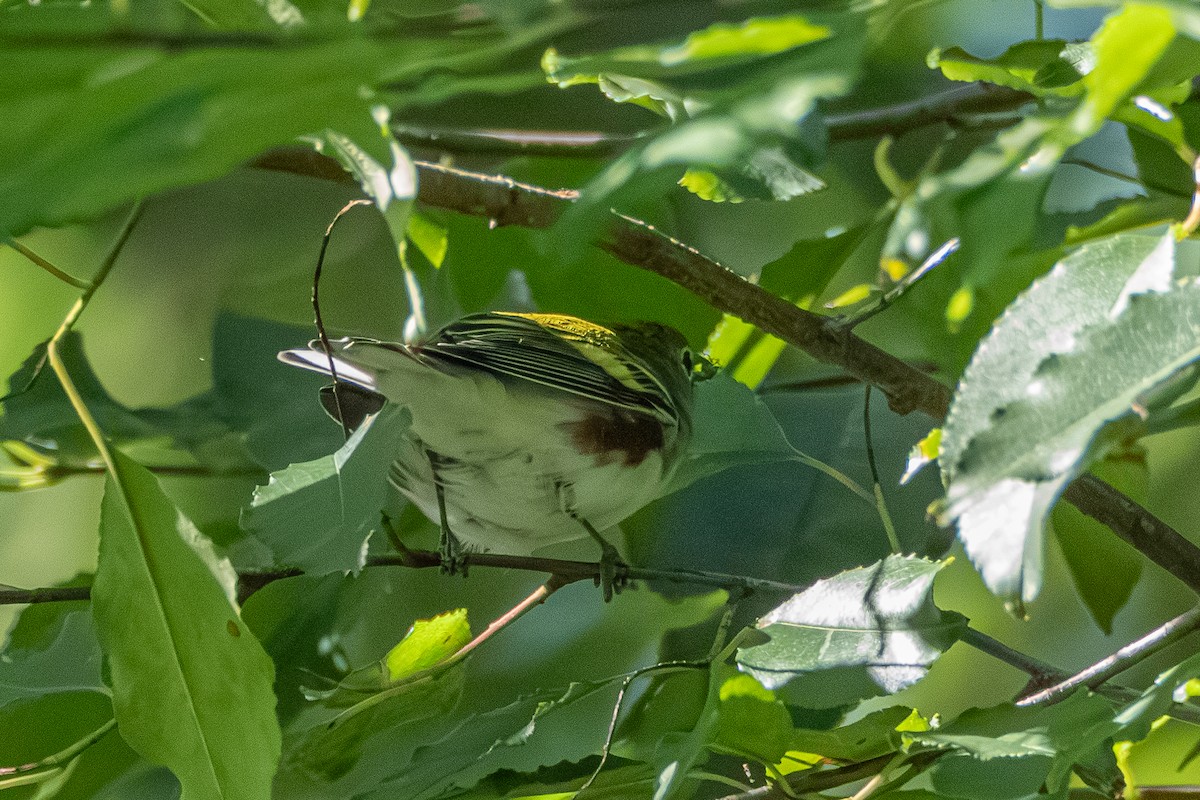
[880, 617]
[1086, 347]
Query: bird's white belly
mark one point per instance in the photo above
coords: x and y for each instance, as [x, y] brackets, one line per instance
[517, 501]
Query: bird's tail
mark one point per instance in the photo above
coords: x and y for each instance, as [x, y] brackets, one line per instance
[355, 361]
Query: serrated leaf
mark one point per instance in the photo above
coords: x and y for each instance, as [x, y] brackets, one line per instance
[188, 667]
[1099, 348]
[880, 617]
[318, 515]
[1006, 731]
[1041, 67]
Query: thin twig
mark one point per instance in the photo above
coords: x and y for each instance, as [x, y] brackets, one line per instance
[880, 504]
[820, 780]
[565, 570]
[316, 304]
[1129, 655]
[26, 774]
[55, 358]
[942, 107]
[1192, 221]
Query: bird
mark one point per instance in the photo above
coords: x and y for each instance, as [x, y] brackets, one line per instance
[528, 429]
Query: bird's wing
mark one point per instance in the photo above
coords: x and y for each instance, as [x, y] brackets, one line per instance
[562, 353]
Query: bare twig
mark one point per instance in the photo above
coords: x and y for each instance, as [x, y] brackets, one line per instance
[11, 595]
[564, 570]
[1192, 221]
[316, 304]
[1129, 655]
[949, 107]
[1154, 538]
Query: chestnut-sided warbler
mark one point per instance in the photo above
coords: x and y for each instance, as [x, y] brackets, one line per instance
[527, 429]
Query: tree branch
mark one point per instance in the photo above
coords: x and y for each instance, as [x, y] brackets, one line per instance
[566, 571]
[943, 107]
[948, 106]
[1167, 634]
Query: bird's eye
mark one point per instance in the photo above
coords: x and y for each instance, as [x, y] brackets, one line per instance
[688, 362]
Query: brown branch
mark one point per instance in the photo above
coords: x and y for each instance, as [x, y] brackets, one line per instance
[12, 596]
[824, 338]
[1154, 538]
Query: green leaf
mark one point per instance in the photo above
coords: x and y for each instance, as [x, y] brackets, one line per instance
[1127, 47]
[747, 123]
[52, 647]
[1075, 354]
[428, 642]
[751, 723]
[505, 737]
[874, 735]
[42, 726]
[880, 617]
[183, 666]
[392, 189]
[731, 426]
[1103, 567]
[1042, 67]
[233, 428]
[1007, 731]
[432, 239]
[148, 117]
[1135, 721]
[318, 515]
[717, 47]
[400, 689]
[493, 733]
[757, 36]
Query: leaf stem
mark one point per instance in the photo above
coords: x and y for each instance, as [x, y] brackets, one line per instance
[880, 503]
[11, 777]
[55, 358]
[70, 280]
